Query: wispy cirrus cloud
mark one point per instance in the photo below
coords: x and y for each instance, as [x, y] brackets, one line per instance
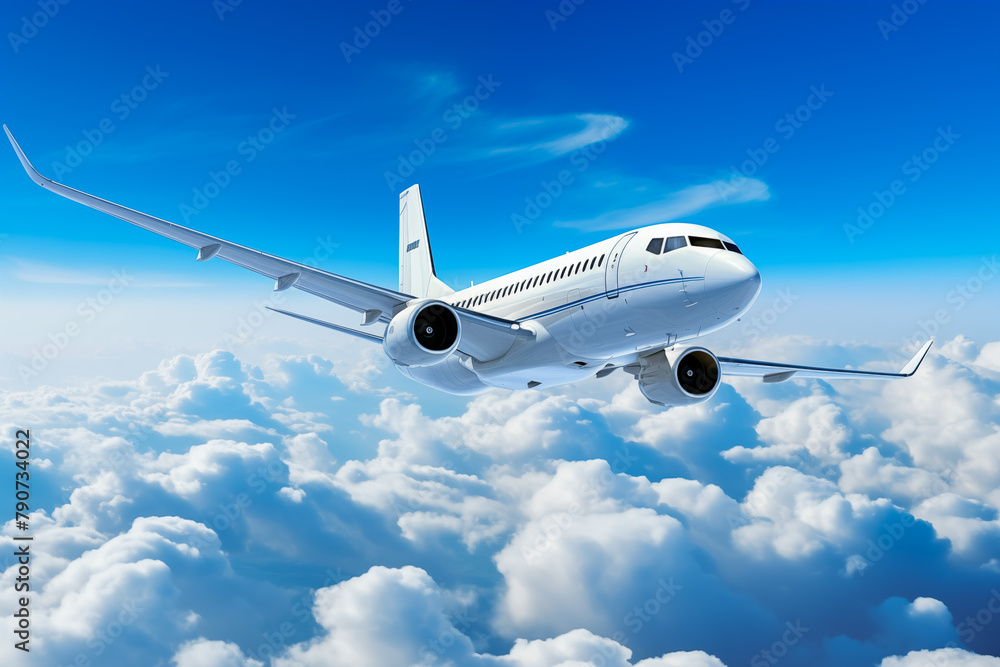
[674, 205]
[536, 139]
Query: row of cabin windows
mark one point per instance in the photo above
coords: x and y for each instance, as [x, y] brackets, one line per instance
[659, 246]
[528, 283]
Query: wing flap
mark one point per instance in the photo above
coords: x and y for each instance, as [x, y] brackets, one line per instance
[486, 338]
[776, 372]
[346, 292]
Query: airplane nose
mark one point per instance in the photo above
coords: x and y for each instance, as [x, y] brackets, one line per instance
[732, 283]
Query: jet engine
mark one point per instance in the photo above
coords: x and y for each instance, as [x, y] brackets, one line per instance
[423, 334]
[679, 376]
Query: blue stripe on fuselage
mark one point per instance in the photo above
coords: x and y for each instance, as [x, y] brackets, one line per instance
[601, 295]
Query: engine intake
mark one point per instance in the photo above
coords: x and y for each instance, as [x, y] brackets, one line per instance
[685, 376]
[423, 334]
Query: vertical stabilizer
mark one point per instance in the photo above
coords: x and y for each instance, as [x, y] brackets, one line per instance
[416, 264]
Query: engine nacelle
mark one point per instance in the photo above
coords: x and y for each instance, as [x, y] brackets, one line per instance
[423, 334]
[685, 376]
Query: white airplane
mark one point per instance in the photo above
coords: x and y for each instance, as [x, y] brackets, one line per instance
[633, 302]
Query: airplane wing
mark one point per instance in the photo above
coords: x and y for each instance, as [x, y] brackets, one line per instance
[485, 338]
[774, 372]
[378, 303]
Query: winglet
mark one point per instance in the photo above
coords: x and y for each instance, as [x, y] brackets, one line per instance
[911, 366]
[32, 172]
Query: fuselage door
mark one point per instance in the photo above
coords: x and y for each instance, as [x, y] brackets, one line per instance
[614, 261]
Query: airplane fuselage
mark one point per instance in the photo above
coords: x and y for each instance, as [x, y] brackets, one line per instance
[603, 306]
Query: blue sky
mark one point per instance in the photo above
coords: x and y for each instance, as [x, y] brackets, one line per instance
[678, 133]
[325, 175]
[490, 522]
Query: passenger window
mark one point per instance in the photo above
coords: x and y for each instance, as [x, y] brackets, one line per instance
[655, 246]
[703, 242]
[600, 261]
[674, 242]
[731, 246]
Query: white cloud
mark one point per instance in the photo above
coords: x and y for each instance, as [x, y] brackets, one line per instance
[527, 527]
[683, 659]
[952, 657]
[871, 473]
[972, 527]
[799, 515]
[671, 206]
[204, 653]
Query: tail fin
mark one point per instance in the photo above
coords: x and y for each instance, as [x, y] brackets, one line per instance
[416, 265]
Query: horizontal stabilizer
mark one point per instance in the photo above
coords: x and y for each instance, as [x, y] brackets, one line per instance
[330, 325]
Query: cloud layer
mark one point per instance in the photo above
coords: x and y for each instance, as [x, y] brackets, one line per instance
[211, 512]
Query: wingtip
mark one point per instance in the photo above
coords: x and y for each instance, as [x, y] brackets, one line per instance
[914, 363]
[28, 167]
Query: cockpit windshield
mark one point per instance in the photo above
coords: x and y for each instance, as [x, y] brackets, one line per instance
[659, 246]
[704, 242]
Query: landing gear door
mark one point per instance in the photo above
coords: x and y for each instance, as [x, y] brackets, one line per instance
[611, 268]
